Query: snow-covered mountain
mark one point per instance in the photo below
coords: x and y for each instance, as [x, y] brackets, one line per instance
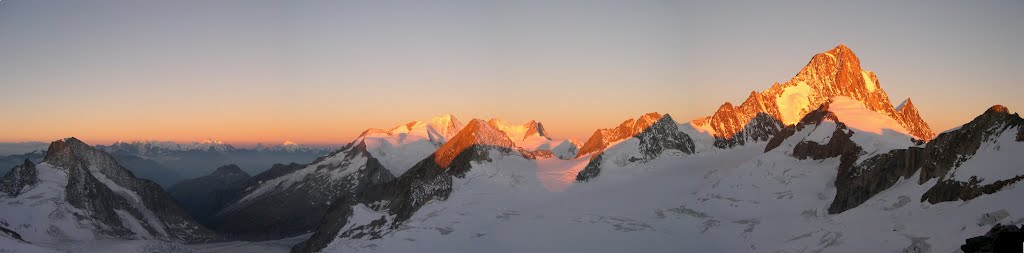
[823, 162]
[380, 209]
[843, 178]
[531, 136]
[9, 161]
[155, 148]
[634, 141]
[978, 158]
[287, 146]
[602, 138]
[79, 193]
[831, 74]
[377, 156]
[293, 202]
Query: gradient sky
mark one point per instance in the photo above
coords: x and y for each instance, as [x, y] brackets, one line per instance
[323, 71]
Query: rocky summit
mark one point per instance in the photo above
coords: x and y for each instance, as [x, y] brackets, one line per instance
[79, 192]
[830, 74]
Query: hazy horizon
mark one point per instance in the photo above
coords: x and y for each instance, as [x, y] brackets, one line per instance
[320, 73]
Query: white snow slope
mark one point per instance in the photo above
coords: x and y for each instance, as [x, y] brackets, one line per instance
[730, 201]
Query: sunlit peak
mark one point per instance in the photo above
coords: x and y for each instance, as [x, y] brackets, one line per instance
[212, 141]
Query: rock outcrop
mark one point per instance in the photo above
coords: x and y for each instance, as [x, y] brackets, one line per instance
[660, 135]
[1001, 238]
[948, 151]
[107, 198]
[760, 129]
[629, 128]
[19, 178]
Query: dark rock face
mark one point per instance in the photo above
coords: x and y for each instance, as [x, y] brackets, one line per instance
[140, 167]
[425, 181]
[1020, 134]
[592, 169]
[839, 145]
[629, 128]
[11, 161]
[11, 233]
[662, 135]
[298, 209]
[951, 149]
[1000, 238]
[85, 190]
[952, 190]
[761, 128]
[856, 184]
[812, 119]
[203, 197]
[19, 178]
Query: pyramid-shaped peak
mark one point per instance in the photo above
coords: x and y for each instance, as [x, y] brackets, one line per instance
[476, 133]
[479, 132]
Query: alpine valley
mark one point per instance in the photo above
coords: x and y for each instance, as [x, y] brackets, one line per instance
[823, 162]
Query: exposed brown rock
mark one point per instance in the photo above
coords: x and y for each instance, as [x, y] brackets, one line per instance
[477, 132]
[664, 134]
[836, 72]
[629, 128]
[908, 116]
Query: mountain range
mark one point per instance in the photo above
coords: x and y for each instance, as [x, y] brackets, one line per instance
[168, 163]
[822, 162]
